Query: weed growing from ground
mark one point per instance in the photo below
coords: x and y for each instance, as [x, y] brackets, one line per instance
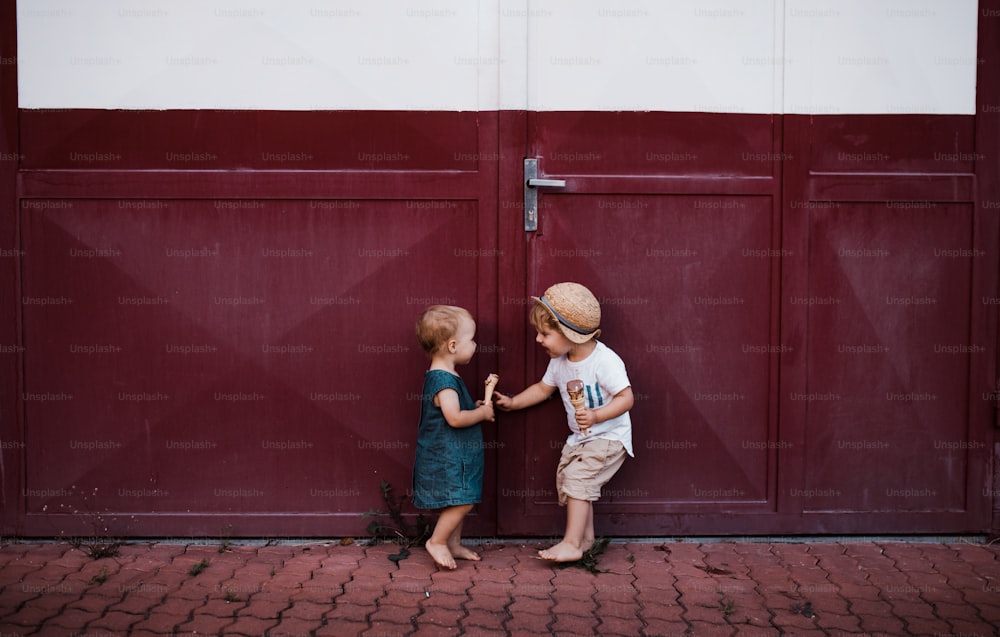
[396, 529]
[100, 543]
[803, 608]
[199, 567]
[99, 578]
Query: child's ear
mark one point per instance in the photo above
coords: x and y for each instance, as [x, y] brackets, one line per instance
[452, 346]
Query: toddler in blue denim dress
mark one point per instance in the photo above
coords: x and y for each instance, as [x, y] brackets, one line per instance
[448, 468]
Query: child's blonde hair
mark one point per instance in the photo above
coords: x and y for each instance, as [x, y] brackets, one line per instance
[541, 318]
[439, 323]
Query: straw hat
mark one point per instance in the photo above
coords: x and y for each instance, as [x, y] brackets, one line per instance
[575, 309]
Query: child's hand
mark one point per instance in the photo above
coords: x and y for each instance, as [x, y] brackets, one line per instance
[502, 401]
[586, 418]
[487, 409]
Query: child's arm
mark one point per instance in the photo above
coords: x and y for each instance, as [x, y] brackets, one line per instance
[618, 405]
[460, 418]
[530, 396]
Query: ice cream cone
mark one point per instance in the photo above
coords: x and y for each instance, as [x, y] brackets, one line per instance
[574, 389]
[491, 383]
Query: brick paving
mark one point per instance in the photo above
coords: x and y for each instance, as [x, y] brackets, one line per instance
[650, 588]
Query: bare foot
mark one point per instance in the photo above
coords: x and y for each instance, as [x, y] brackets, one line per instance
[441, 554]
[562, 552]
[460, 552]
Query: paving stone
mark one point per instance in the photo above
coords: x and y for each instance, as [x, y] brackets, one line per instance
[395, 613]
[852, 592]
[621, 610]
[321, 593]
[495, 603]
[912, 608]
[990, 613]
[159, 622]
[836, 622]
[972, 629]
[205, 624]
[962, 612]
[710, 629]
[700, 598]
[704, 614]
[366, 597]
[350, 612]
[433, 630]
[221, 608]
[250, 626]
[293, 627]
[436, 599]
[480, 631]
[661, 612]
[116, 623]
[480, 618]
[575, 624]
[29, 616]
[665, 628]
[88, 603]
[755, 631]
[68, 622]
[530, 605]
[306, 610]
[789, 620]
[178, 606]
[625, 627]
[887, 624]
[265, 608]
[435, 616]
[342, 628]
[828, 603]
[529, 623]
[581, 607]
[927, 626]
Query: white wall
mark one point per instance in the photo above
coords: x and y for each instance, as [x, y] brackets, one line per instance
[754, 56]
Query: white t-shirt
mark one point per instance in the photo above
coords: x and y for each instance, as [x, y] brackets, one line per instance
[603, 375]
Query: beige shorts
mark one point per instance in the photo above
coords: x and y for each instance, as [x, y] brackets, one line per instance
[586, 467]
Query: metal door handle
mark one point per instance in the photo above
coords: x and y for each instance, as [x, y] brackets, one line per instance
[555, 183]
[531, 184]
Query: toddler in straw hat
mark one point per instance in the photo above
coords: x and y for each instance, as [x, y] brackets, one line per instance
[568, 318]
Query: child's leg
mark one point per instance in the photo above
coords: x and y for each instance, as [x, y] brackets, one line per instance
[588, 531]
[455, 546]
[450, 519]
[579, 517]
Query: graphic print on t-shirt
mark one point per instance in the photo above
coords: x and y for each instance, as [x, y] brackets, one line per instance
[591, 392]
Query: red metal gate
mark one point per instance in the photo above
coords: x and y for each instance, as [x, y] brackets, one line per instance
[206, 326]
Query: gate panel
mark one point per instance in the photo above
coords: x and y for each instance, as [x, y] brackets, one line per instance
[889, 358]
[895, 351]
[688, 311]
[197, 365]
[229, 358]
[684, 265]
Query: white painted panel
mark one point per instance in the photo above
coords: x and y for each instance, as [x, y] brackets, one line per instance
[885, 56]
[742, 56]
[257, 54]
[714, 56]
